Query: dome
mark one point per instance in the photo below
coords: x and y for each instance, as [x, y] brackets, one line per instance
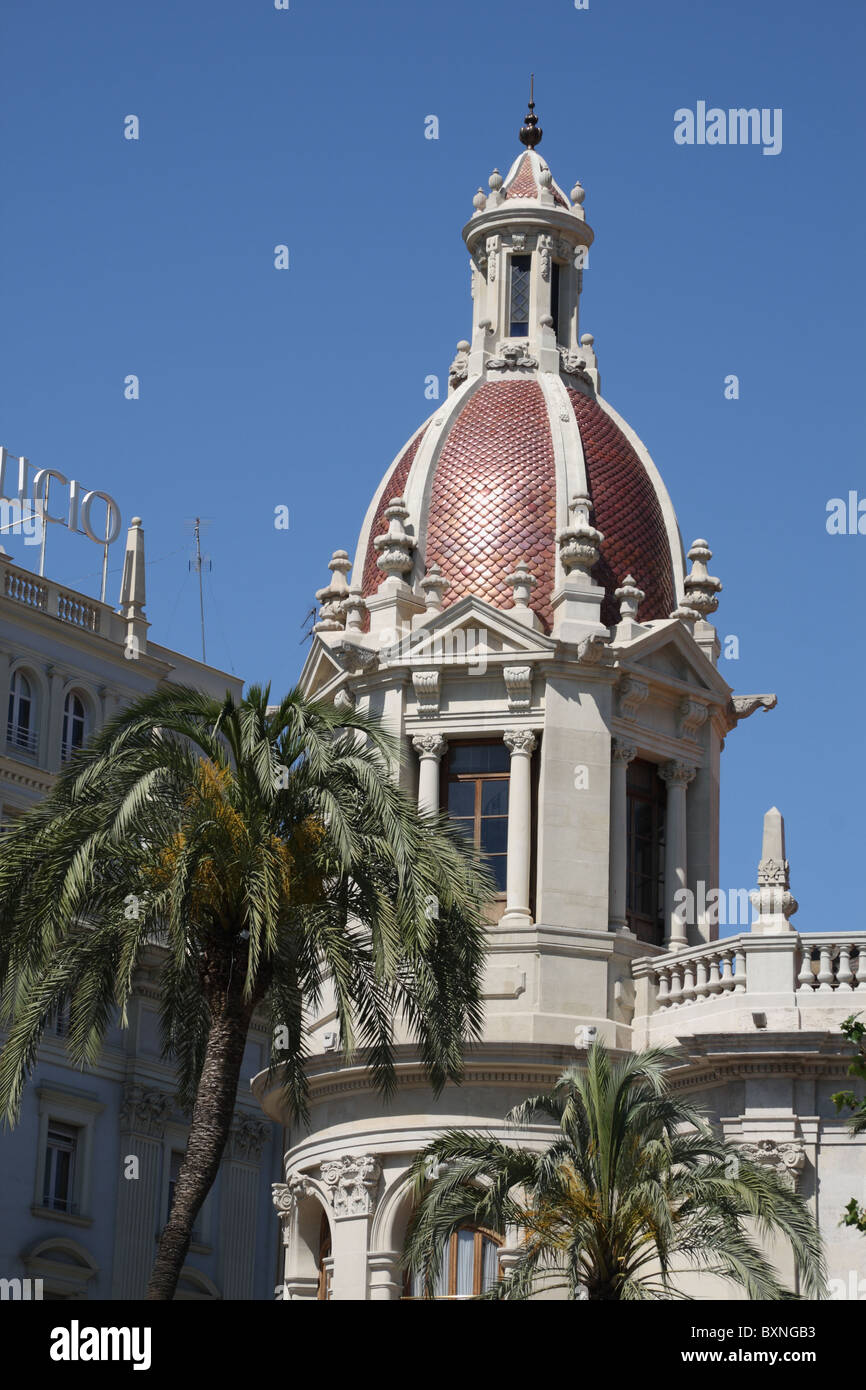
[490, 480]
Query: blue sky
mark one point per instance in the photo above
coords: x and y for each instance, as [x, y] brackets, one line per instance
[261, 387]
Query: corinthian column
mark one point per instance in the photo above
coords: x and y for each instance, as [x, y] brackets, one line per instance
[429, 748]
[621, 754]
[521, 743]
[677, 775]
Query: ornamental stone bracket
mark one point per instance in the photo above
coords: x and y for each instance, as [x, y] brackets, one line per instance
[427, 691]
[518, 683]
[632, 694]
[692, 714]
[742, 706]
[285, 1197]
[351, 1184]
[594, 650]
[786, 1159]
[144, 1110]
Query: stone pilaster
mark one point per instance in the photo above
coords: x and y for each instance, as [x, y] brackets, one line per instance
[521, 744]
[143, 1114]
[239, 1182]
[677, 775]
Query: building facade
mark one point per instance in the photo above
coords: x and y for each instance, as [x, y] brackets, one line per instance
[522, 614]
[86, 1176]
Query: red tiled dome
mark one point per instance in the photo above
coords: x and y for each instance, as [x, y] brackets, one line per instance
[493, 502]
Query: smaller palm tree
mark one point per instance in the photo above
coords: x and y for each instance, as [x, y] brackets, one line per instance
[635, 1191]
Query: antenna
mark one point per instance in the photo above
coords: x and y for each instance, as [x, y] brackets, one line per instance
[197, 564]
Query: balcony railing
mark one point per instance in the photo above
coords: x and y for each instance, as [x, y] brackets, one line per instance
[21, 738]
[67, 605]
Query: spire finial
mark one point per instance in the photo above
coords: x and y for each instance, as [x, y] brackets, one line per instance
[530, 131]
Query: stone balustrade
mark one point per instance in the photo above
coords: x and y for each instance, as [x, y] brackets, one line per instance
[832, 963]
[787, 981]
[67, 605]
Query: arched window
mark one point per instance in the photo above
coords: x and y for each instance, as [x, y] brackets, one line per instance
[21, 725]
[469, 1267]
[74, 724]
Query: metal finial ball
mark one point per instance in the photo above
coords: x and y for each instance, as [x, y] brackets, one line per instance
[530, 131]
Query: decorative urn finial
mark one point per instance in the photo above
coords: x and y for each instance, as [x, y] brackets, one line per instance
[530, 131]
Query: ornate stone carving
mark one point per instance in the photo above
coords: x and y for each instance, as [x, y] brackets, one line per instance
[677, 773]
[622, 752]
[632, 693]
[518, 683]
[144, 1109]
[459, 369]
[426, 686]
[332, 615]
[629, 598]
[519, 741]
[744, 705]
[247, 1138]
[574, 364]
[545, 247]
[396, 545]
[344, 699]
[511, 356]
[692, 714]
[353, 656]
[351, 1184]
[786, 1158]
[521, 583]
[285, 1197]
[492, 252]
[518, 241]
[579, 542]
[434, 586]
[429, 745]
[592, 650]
[354, 607]
[700, 586]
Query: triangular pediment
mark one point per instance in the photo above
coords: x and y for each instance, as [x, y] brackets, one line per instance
[473, 627]
[321, 670]
[669, 652]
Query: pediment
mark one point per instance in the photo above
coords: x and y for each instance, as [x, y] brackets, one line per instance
[471, 627]
[321, 670]
[671, 653]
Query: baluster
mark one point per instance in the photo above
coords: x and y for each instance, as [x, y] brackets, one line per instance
[701, 982]
[825, 974]
[715, 985]
[727, 971]
[676, 986]
[663, 998]
[688, 982]
[844, 973]
[741, 983]
[806, 978]
[860, 969]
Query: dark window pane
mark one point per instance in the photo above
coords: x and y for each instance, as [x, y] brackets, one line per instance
[494, 798]
[520, 295]
[554, 298]
[497, 864]
[494, 835]
[461, 798]
[465, 827]
[478, 757]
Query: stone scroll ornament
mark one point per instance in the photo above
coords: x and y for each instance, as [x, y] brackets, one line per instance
[788, 1159]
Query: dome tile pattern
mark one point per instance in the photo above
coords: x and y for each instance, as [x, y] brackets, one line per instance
[628, 514]
[493, 500]
[524, 184]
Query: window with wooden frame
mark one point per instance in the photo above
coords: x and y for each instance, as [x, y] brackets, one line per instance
[469, 1267]
[475, 796]
[647, 798]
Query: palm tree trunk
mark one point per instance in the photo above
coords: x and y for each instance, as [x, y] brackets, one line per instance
[209, 1130]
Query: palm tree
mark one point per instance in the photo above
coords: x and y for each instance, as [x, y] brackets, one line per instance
[272, 856]
[634, 1190]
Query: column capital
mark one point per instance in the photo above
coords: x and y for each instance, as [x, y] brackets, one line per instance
[621, 751]
[429, 745]
[519, 741]
[144, 1110]
[677, 773]
[351, 1182]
